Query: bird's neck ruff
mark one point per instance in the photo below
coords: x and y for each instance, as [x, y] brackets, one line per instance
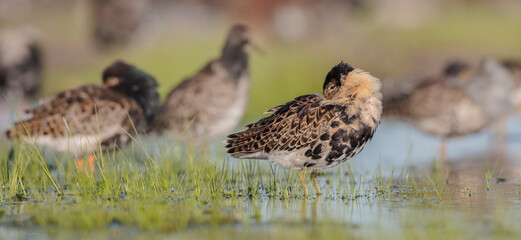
[359, 85]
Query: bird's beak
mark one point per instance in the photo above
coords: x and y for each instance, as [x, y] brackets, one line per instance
[111, 82]
[256, 47]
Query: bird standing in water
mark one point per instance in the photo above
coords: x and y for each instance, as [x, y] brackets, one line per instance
[95, 117]
[211, 103]
[462, 101]
[316, 131]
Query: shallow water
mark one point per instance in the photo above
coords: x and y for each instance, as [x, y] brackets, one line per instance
[397, 144]
[465, 204]
[475, 194]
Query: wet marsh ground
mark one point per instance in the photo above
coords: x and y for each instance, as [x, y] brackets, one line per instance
[191, 192]
[396, 188]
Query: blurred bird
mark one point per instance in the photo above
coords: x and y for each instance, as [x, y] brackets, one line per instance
[20, 71]
[316, 131]
[515, 98]
[95, 117]
[514, 68]
[211, 103]
[461, 101]
[117, 21]
[20, 63]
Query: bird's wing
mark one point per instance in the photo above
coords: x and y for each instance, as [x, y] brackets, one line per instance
[291, 126]
[434, 100]
[273, 109]
[198, 96]
[87, 110]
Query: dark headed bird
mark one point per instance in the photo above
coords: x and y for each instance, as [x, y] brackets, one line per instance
[462, 101]
[20, 64]
[211, 103]
[20, 72]
[316, 131]
[93, 118]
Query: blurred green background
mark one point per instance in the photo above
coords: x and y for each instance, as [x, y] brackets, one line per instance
[393, 40]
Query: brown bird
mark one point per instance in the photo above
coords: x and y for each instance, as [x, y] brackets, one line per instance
[95, 117]
[21, 66]
[211, 103]
[462, 101]
[316, 131]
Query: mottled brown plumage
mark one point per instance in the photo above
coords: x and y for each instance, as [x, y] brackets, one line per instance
[211, 103]
[316, 131]
[84, 119]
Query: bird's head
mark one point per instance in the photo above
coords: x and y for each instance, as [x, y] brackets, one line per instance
[458, 72]
[457, 69]
[239, 35]
[343, 80]
[134, 83]
[512, 65]
[238, 38]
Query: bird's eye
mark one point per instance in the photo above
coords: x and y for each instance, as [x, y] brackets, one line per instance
[135, 88]
[331, 87]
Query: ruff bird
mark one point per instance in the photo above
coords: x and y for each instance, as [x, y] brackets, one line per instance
[21, 66]
[316, 131]
[20, 63]
[93, 118]
[461, 101]
[211, 103]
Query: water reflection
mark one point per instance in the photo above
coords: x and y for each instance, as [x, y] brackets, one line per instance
[472, 188]
[475, 186]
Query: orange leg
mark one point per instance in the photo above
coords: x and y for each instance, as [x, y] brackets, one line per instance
[79, 163]
[90, 163]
